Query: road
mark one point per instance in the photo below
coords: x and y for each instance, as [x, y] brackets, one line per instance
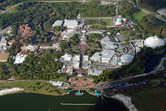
[10, 8]
[82, 47]
[159, 67]
[95, 18]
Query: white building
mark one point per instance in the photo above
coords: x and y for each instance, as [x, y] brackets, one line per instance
[57, 23]
[107, 55]
[66, 35]
[139, 43]
[105, 40]
[96, 57]
[76, 61]
[3, 41]
[45, 47]
[59, 84]
[86, 65]
[85, 58]
[154, 42]
[126, 58]
[56, 46]
[107, 43]
[30, 47]
[19, 58]
[69, 71]
[66, 57]
[137, 49]
[70, 24]
[105, 3]
[76, 64]
[94, 72]
[162, 11]
[118, 21]
[76, 58]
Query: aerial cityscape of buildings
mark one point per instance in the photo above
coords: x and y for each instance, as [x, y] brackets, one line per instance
[113, 54]
[98, 47]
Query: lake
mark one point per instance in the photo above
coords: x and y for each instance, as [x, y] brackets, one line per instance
[38, 102]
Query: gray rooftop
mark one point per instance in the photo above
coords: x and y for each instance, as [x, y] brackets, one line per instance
[57, 23]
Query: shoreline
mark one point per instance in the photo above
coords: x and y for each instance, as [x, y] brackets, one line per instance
[119, 97]
[34, 92]
[125, 100]
[10, 91]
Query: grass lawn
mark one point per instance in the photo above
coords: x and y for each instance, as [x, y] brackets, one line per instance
[93, 45]
[34, 86]
[139, 15]
[149, 98]
[107, 21]
[12, 10]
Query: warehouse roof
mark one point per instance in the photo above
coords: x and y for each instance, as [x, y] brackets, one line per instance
[4, 56]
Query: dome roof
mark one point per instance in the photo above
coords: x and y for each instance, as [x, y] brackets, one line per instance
[154, 42]
[126, 58]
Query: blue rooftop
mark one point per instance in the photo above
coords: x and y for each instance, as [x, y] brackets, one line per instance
[79, 93]
[119, 19]
[69, 91]
[97, 93]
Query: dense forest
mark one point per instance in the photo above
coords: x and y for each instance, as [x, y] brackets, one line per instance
[5, 3]
[148, 25]
[46, 66]
[126, 9]
[41, 12]
[40, 16]
[153, 25]
[152, 4]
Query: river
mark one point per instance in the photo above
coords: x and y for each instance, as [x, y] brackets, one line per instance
[38, 102]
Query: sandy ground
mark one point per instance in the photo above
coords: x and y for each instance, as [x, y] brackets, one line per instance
[8, 91]
[126, 100]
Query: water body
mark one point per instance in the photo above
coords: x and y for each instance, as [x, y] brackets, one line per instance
[154, 61]
[135, 2]
[37, 102]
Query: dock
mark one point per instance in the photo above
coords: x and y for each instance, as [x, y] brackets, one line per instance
[79, 104]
